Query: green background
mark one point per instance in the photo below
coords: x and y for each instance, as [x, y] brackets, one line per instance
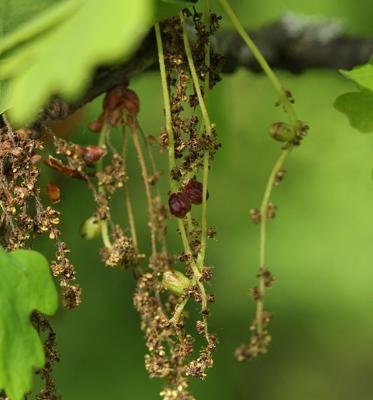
[320, 245]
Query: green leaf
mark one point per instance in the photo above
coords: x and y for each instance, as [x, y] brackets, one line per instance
[62, 60]
[46, 20]
[358, 107]
[16, 12]
[25, 285]
[361, 75]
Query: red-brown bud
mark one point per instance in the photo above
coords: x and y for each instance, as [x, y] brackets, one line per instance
[179, 204]
[194, 191]
[91, 154]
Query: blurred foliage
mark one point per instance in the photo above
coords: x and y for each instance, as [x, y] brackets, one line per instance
[26, 285]
[319, 245]
[358, 105]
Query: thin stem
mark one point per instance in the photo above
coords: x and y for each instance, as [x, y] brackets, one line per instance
[293, 119]
[100, 168]
[207, 49]
[144, 171]
[207, 123]
[167, 107]
[171, 152]
[127, 199]
[263, 235]
[283, 98]
[201, 101]
[154, 171]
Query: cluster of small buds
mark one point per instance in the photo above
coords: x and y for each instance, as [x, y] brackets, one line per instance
[301, 131]
[122, 252]
[280, 176]
[42, 325]
[255, 215]
[19, 175]
[114, 175]
[257, 346]
[65, 272]
[46, 220]
[271, 210]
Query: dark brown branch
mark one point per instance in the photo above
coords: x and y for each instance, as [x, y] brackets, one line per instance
[293, 43]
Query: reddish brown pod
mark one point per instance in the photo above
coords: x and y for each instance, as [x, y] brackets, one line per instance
[194, 191]
[179, 204]
[54, 192]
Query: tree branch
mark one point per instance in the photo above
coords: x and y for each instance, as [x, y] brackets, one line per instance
[294, 43]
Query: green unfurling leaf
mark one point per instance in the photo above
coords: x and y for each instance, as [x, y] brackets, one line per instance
[62, 59]
[358, 107]
[25, 285]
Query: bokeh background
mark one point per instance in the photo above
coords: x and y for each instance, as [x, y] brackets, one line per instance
[320, 244]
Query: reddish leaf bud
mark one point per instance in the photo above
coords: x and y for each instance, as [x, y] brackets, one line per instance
[179, 204]
[113, 98]
[131, 102]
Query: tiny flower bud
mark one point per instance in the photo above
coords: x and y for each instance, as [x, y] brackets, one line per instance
[175, 281]
[281, 132]
[90, 228]
[91, 154]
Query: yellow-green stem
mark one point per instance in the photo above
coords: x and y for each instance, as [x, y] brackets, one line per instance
[149, 198]
[207, 50]
[207, 123]
[171, 145]
[283, 98]
[100, 168]
[263, 235]
[167, 107]
[127, 198]
[193, 72]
